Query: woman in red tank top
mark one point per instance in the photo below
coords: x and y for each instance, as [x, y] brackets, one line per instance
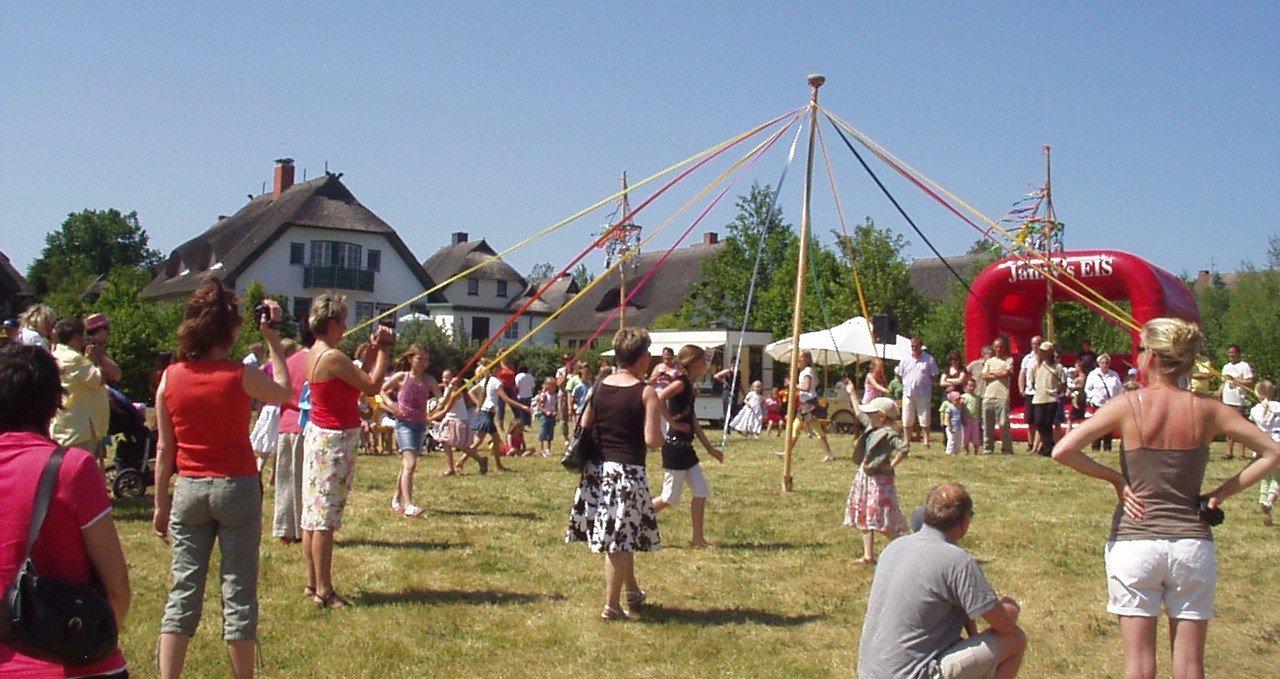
[202, 412]
[331, 437]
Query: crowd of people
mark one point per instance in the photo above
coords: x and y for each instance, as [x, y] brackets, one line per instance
[55, 377]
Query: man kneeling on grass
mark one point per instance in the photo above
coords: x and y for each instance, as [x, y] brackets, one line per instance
[925, 592]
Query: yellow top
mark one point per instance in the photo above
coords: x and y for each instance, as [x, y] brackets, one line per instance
[86, 412]
[1203, 385]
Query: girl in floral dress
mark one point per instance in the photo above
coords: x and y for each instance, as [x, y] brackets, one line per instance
[872, 506]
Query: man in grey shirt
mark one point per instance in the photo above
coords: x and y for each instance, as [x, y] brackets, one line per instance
[926, 592]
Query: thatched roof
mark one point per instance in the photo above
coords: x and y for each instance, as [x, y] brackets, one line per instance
[664, 293]
[12, 283]
[233, 243]
[933, 281]
[561, 290]
[457, 257]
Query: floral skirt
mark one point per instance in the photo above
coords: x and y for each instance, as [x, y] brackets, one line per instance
[613, 510]
[453, 432]
[328, 468]
[873, 504]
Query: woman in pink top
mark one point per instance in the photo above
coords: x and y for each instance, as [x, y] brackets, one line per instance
[332, 434]
[202, 413]
[78, 540]
[1161, 552]
[876, 385]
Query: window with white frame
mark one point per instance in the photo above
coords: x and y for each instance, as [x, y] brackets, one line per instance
[473, 286]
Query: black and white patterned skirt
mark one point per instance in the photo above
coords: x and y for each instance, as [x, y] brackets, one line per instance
[613, 510]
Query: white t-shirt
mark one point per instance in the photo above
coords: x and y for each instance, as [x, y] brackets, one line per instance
[525, 384]
[1233, 394]
[1029, 374]
[812, 392]
[1267, 416]
[492, 386]
[32, 338]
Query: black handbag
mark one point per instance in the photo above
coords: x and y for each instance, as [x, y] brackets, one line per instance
[55, 620]
[582, 447]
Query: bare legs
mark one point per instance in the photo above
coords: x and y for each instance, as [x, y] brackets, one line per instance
[697, 511]
[1009, 646]
[318, 547]
[869, 546]
[619, 571]
[404, 479]
[1186, 638]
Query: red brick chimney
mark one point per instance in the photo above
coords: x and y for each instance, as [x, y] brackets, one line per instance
[710, 238]
[284, 176]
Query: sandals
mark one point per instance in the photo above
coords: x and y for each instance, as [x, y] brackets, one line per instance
[309, 591]
[411, 511]
[396, 506]
[331, 601]
[864, 561]
[636, 597]
[611, 613]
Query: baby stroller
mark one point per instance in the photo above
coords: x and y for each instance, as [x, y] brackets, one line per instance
[131, 471]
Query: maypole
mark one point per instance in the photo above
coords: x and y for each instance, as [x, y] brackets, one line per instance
[1052, 222]
[619, 241]
[797, 316]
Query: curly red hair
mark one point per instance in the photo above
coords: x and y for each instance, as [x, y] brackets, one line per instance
[211, 321]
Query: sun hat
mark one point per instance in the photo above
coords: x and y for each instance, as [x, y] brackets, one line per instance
[96, 322]
[881, 404]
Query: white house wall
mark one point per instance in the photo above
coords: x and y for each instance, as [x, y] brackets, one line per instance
[393, 284]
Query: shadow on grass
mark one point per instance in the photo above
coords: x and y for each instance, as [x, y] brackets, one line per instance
[526, 516]
[135, 509]
[736, 616]
[431, 596]
[405, 544]
[763, 546]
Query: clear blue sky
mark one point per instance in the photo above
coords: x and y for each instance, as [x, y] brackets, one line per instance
[501, 118]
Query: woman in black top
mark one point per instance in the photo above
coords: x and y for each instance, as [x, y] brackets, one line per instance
[612, 509]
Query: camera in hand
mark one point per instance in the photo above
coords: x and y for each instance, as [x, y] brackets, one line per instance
[263, 312]
[1214, 516]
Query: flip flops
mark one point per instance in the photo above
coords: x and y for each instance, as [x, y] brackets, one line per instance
[411, 511]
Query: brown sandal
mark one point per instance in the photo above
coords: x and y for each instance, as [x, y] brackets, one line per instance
[330, 601]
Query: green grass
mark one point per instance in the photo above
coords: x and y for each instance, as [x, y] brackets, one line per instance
[482, 583]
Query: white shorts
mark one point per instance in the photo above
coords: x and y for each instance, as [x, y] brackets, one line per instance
[1180, 574]
[673, 481]
[918, 409]
[972, 658]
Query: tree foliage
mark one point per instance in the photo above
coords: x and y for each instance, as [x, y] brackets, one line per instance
[89, 244]
[139, 328]
[540, 274]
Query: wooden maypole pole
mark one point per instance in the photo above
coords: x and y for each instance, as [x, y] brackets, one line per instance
[802, 268]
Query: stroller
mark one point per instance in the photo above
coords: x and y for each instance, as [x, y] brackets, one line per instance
[132, 469]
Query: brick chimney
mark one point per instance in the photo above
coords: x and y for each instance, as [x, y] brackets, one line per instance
[284, 176]
[458, 237]
[710, 238]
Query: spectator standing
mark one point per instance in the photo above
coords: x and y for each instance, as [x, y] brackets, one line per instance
[1050, 384]
[876, 384]
[1266, 414]
[286, 521]
[1202, 376]
[917, 372]
[203, 408]
[955, 374]
[332, 435]
[526, 384]
[85, 415]
[1160, 553]
[926, 592]
[564, 375]
[37, 326]
[1237, 378]
[1087, 358]
[1027, 387]
[78, 541]
[1102, 385]
[980, 388]
[997, 371]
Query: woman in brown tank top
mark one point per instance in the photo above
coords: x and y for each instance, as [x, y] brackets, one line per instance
[1166, 432]
[612, 509]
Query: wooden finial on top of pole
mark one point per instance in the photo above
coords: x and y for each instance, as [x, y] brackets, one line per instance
[815, 81]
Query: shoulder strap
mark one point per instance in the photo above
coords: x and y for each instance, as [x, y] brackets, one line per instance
[1137, 423]
[44, 494]
[315, 365]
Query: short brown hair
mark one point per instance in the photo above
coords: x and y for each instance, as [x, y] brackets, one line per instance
[690, 353]
[947, 506]
[629, 344]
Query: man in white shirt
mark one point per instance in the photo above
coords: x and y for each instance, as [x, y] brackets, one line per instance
[525, 384]
[1027, 385]
[917, 372]
[1237, 376]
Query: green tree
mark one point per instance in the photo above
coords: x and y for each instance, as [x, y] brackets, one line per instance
[882, 270]
[583, 276]
[540, 274]
[139, 329]
[91, 243]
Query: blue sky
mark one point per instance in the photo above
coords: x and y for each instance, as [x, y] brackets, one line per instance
[500, 119]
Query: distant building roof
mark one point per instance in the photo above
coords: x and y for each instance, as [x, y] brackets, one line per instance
[931, 278]
[233, 243]
[1204, 280]
[665, 293]
[462, 254]
[12, 283]
[557, 295]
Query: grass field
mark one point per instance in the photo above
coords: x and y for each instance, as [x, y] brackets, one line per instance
[482, 584]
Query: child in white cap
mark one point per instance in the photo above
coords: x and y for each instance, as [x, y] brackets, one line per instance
[872, 506]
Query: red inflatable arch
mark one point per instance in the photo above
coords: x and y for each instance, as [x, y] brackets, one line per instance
[1009, 296]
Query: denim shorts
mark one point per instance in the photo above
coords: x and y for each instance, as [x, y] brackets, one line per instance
[410, 436]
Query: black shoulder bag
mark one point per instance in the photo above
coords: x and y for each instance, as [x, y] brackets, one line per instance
[583, 447]
[50, 619]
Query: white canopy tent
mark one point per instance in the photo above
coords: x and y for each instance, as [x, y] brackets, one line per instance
[849, 342]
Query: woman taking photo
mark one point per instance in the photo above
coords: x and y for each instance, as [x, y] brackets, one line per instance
[203, 407]
[1160, 552]
[612, 509]
[78, 540]
[331, 437]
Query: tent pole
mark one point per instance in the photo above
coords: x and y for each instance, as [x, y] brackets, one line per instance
[815, 81]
